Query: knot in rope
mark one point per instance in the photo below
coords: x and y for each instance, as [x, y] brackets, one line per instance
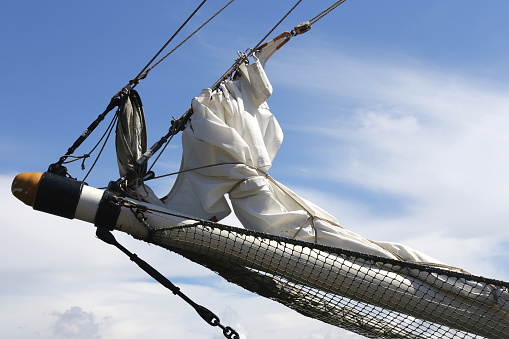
[85, 156]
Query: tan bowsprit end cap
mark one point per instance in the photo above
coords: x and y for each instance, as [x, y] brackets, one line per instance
[25, 186]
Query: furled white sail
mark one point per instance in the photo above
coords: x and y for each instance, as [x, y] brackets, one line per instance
[229, 144]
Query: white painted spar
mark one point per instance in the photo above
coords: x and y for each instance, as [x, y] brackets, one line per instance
[88, 203]
[396, 290]
[127, 222]
[317, 269]
[355, 280]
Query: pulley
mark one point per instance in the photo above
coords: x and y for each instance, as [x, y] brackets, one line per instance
[301, 28]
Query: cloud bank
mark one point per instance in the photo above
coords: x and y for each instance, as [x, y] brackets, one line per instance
[409, 137]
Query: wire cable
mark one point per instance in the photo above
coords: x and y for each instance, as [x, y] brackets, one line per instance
[139, 76]
[273, 28]
[143, 74]
[326, 11]
[107, 133]
[243, 58]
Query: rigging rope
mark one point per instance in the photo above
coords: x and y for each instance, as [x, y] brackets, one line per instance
[244, 57]
[143, 74]
[326, 11]
[57, 167]
[108, 132]
[372, 296]
[183, 119]
[273, 28]
[87, 155]
[160, 153]
[212, 319]
[312, 217]
[138, 77]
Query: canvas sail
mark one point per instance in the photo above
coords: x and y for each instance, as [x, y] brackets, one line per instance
[229, 144]
[228, 147]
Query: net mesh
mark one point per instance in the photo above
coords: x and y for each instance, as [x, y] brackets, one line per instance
[372, 296]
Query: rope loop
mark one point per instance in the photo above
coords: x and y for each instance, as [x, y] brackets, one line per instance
[85, 156]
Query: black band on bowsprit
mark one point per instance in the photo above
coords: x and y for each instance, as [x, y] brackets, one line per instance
[58, 195]
[107, 211]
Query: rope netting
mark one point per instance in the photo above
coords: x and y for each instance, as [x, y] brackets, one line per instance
[372, 296]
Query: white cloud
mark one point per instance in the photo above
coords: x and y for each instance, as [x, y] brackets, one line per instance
[76, 323]
[60, 280]
[431, 140]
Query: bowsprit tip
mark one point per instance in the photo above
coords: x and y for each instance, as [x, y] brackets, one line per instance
[25, 186]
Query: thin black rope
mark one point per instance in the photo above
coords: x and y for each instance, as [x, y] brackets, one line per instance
[76, 158]
[87, 155]
[143, 74]
[108, 131]
[114, 99]
[371, 257]
[207, 315]
[326, 11]
[148, 70]
[243, 58]
[190, 35]
[233, 68]
[274, 28]
[160, 153]
[195, 169]
[138, 77]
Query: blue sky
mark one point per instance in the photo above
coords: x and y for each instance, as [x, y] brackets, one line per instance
[394, 114]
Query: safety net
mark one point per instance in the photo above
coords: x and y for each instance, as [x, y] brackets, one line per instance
[291, 250]
[369, 295]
